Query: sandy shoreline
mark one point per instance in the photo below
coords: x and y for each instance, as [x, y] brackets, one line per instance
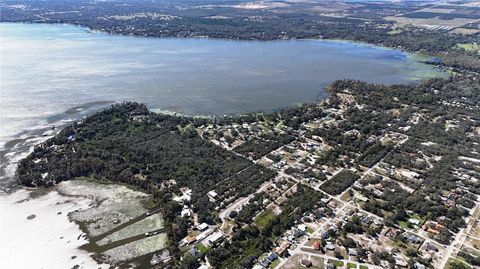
[49, 228]
[37, 233]
[45, 228]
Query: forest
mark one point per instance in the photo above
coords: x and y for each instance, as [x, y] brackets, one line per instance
[256, 148]
[339, 182]
[129, 144]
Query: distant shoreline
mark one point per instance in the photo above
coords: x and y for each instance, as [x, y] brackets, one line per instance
[91, 30]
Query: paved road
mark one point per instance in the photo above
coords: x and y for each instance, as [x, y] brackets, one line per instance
[459, 240]
[240, 202]
[304, 250]
[318, 231]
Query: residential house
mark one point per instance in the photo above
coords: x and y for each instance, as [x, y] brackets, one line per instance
[212, 195]
[282, 248]
[273, 256]
[202, 227]
[215, 238]
[419, 266]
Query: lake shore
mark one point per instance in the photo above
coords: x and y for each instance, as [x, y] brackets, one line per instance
[37, 233]
[242, 90]
[63, 219]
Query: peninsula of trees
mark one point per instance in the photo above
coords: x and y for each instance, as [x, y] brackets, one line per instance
[406, 151]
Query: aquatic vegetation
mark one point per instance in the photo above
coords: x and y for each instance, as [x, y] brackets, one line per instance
[137, 248]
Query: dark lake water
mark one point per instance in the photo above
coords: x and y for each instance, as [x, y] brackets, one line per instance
[48, 69]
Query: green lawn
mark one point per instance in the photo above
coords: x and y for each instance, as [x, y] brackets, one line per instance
[405, 224]
[351, 265]
[456, 263]
[202, 248]
[336, 263]
[274, 263]
[469, 46]
[264, 218]
[363, 267]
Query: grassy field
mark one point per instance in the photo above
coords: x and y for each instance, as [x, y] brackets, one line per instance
[274, 263]
[363, 267]
[469, 46]
[336, 263]
[264, 218]
[201, 248]
[454, 22]
[346, 197]
[453, 262]
[351, 265]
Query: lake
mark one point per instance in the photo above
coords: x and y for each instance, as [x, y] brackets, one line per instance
[47, 69]
[54, 74]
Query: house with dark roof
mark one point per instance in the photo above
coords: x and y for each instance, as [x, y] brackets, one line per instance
[273, 256]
